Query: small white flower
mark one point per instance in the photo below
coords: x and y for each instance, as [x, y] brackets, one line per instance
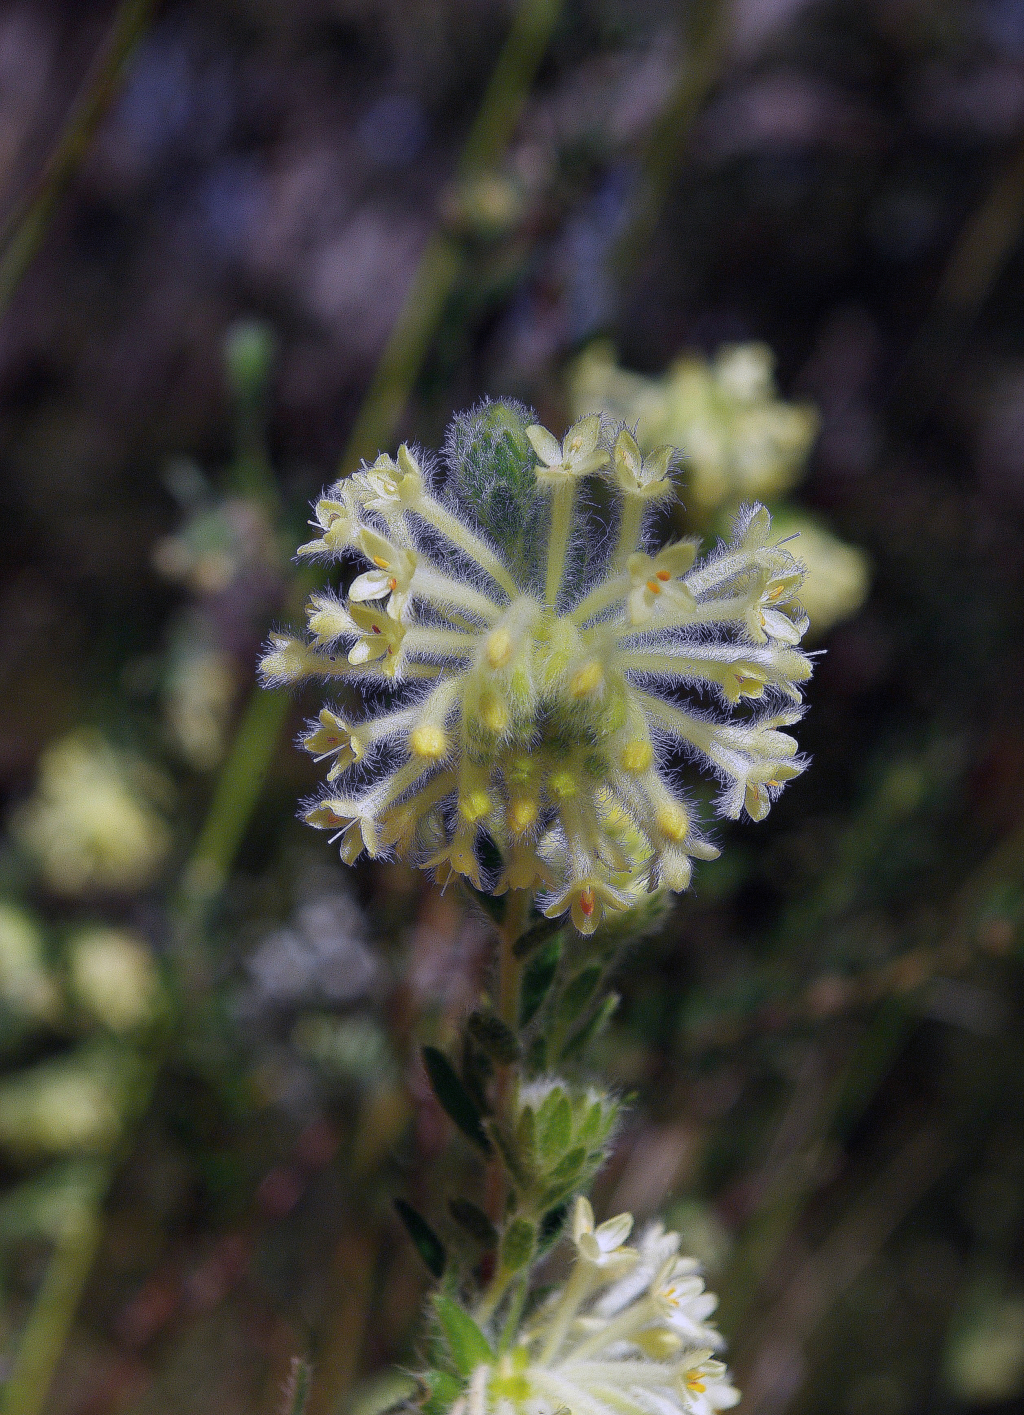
[577, 455]
[612, 1342]
[602, 1246]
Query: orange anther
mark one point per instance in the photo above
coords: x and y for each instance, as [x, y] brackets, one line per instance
[587, 901]
[664, 575]
[654, 587]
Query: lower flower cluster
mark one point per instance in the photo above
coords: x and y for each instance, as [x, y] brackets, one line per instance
[627, 1334]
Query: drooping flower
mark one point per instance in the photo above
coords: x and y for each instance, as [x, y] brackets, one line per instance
[544, 675]
[627, 1334]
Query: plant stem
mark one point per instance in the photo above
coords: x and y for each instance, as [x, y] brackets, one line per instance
[42, 1341]
[706, 38]
[27, 227]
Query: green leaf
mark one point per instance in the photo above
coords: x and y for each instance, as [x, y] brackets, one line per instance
[517, 1244]
[444, 1390]
[551, 1226]
[455, 1100]
[554, 1126]
[578, 993]
[596, 1124]
[425, 1240]
[571, 1170]
[474, 1221]
[537, 979]
[526, 1131]
[492, 1036]
[592, 1028]
[531, 940]
[468, 1345]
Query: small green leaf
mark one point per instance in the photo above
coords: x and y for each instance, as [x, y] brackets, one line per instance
[517, 1244]
[537, 979]
[596, 1124]
[592, 1028]
[532, 939]
[571, 1170]
[425, 1240]
[444, 1390]
[468, 1345]
[510, 1158]
[474, 1221]
[551, 1226]
[455, 1100]
[554, 1126]
[526, 1131]
[576, 997]
[492, 1036]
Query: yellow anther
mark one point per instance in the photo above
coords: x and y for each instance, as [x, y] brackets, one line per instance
[673, 821]
[586, 679]
[695, 1383]
[380, 562]
[498, 649]
[493, 713]
[428, 740]
[474, 806]
[637, 756]
[522, 813]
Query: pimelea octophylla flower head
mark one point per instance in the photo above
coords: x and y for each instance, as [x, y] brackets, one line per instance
[539, 662]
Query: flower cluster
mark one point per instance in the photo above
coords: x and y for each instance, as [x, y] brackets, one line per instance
[538, 672]
[740, 440]
[628, 1334]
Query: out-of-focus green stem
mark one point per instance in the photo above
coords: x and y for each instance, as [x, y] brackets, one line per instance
[42, 1341]
[29, 224]
[706, 37]
[442, 258]
[252, 751]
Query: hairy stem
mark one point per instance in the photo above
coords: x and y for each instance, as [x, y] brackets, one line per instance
[562, 499]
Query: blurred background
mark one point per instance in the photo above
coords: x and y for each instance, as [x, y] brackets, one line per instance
[243, 237]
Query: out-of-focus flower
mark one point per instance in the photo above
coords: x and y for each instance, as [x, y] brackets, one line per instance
[91, 823]
[26, 985]
[113, 976]
[544, 683]
[837, 576]
[319, 957]
[738, 440]
[70, 1105]
[199, 695]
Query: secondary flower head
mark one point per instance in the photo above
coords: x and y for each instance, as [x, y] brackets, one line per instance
[624, 1337]
[536, 676]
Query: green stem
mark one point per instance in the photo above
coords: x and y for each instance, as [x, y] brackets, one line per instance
[707, 33]
[562, 499]
[43, 1338]
[28, 226]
